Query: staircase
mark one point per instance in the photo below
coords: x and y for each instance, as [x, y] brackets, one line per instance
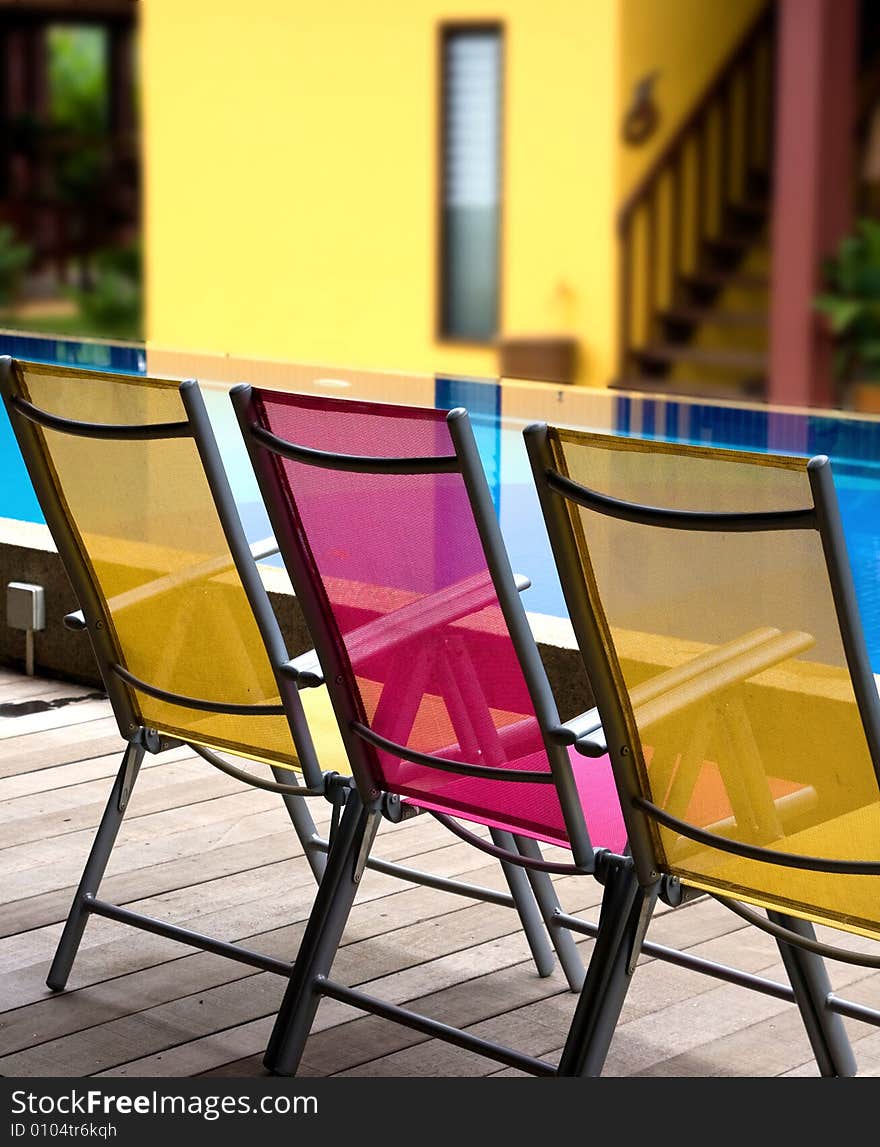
[694, 241]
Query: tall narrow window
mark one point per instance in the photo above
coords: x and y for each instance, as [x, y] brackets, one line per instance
[470, 146]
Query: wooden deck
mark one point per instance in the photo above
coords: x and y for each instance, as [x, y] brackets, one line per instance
[198, 849]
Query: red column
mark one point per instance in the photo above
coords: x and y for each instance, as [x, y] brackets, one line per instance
[813, 186]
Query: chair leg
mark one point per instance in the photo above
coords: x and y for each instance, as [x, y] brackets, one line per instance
[809, 979]
[327, 921]
[528, 905]
[626, 909]
[93, 872]
[304, 826]
[548, 904]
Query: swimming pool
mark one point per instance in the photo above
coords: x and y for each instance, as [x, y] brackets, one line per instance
[499, 413]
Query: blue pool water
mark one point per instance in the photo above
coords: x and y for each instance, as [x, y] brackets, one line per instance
[852, 444]
[17, 498]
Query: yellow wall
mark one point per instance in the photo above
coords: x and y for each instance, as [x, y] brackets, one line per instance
[560, 181]
[683, 40]
[291, 179]
[291, 185]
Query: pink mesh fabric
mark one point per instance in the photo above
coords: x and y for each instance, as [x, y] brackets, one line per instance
[411, 600]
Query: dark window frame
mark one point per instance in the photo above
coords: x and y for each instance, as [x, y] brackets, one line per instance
[446, 32]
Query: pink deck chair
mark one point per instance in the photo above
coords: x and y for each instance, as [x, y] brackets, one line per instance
[385, 523]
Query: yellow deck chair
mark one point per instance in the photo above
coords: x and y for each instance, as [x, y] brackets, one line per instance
[713, 604]
[185, 638]
[130, 481]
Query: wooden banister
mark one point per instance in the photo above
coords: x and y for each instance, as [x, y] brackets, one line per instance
[708, 162]
[755, 33]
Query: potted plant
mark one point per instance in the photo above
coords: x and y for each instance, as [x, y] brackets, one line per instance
[851, 304]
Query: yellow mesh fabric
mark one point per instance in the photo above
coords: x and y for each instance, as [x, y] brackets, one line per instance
[727, 649]
[150, 532]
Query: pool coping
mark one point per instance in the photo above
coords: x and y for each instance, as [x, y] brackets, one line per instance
[28, 554]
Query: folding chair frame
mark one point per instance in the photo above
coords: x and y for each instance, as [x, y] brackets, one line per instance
[365, 807]
[94, 618]
[633, 882]
[821, 1010]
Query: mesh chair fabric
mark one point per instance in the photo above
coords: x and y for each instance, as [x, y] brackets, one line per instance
[767, 746]
[408, 594]
[149, 533]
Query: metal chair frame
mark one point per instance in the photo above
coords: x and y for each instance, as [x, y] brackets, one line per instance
[610, 726]
[632, 882]
[95, 618]
[367, 805]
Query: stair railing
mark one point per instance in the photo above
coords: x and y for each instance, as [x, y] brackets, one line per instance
[714, 157]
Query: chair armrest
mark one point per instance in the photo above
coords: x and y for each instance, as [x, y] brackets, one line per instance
[739, 668]
[585, 732]
[265, 548]
[710, 672]
[211, 567]
[443, 607]
[305, 670]
[75, 621]
[383, 633]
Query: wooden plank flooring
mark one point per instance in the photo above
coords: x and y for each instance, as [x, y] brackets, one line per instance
[199, 849]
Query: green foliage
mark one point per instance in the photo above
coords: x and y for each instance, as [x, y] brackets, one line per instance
[78, 107]
[14, 260]
[113, 303]
[851, 302]
[78, 77]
